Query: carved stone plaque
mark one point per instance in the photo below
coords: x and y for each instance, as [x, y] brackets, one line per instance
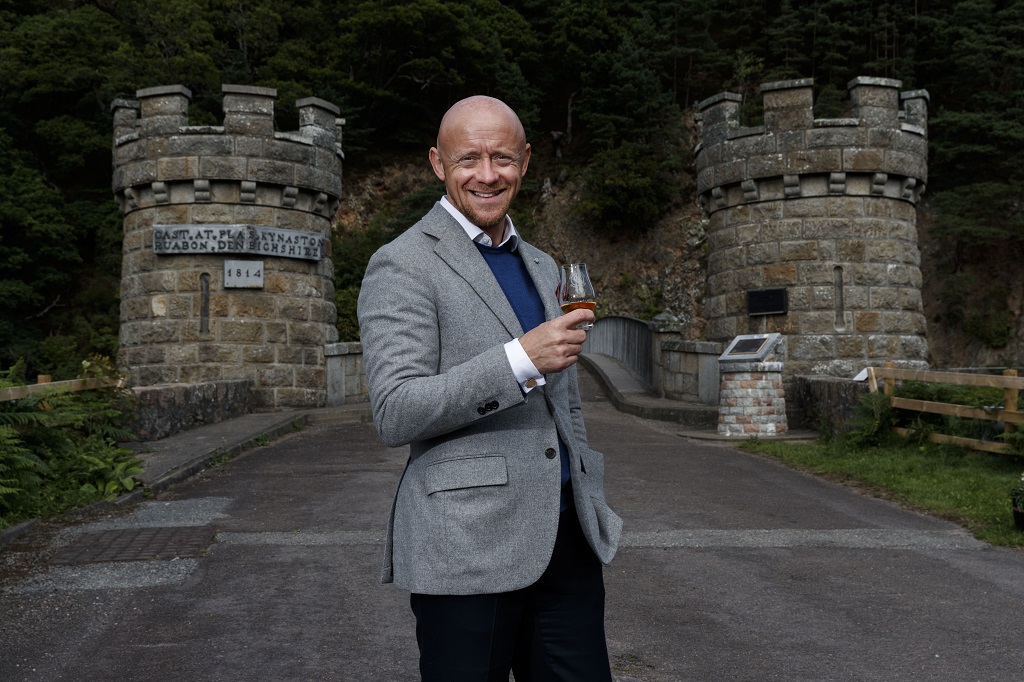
[256, 240]
[243, 274]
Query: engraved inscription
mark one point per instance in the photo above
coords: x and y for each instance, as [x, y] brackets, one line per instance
[748, 346]
[257, 240]
[243, 274]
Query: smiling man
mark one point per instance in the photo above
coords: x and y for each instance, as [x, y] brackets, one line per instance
[499, 527]
[481, 156]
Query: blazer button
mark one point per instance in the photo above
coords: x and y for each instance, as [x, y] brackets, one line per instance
[481, 410]
[493, 405]
[550, 453]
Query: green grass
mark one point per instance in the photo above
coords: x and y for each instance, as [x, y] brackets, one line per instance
[967, 487]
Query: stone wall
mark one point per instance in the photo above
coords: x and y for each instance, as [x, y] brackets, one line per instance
[827, 404]
[227, 271]
[689, 369]
[346, 378]
[162, 411]
[822, 213]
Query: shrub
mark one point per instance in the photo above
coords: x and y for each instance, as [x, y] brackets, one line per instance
[626, 191]
[1017, 493]
[59, 449]
[873, 421]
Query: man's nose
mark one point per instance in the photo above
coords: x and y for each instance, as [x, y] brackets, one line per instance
[487, 172]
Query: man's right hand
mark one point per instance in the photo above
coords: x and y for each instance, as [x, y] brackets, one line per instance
[555, 345]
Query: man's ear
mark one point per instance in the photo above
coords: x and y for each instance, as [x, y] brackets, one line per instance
[526, 160]
[435, 163]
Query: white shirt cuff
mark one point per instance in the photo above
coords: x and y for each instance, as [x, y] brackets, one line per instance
[524, 369]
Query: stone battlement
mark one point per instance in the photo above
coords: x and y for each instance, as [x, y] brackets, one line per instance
[881, 150]
[159, 159]
[226, 271]
[820, 217]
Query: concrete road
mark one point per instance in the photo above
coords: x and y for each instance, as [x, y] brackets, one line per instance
[732, 568]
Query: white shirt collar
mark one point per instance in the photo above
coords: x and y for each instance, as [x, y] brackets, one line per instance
[478, 235]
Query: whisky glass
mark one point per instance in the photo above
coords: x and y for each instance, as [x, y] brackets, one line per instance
[576, 291]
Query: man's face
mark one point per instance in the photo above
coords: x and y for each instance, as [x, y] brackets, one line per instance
[481, 156]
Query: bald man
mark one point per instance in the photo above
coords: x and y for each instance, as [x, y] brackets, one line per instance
[500, 526]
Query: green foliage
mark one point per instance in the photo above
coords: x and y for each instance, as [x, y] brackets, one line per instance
[981, 310]
[982, 214]
[972, 396]
[20, 470]
[34, 258]
[651, 303]
[962, 485]
[615, 78]
[406, 60]
[400, 209]
[59, 449]
[346, 301]
[874, 419]
[831, 102]
[627, 190]
[14, 376]
[921, 424]
[1017, 494]
[1015, 439]
[994, 328]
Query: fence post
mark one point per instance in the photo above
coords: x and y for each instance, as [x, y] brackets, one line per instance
[890, 382]
[1010, 400]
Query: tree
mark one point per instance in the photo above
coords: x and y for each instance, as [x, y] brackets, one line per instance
[405, 63]
[977, 133]
[35, 263]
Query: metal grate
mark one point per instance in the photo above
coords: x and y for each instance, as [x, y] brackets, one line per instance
[137, 544]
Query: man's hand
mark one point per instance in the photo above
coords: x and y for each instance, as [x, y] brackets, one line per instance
[554, 345]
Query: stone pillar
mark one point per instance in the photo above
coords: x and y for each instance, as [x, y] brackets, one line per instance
[752, 399]
[346, 377]
[227, 270]
[664, 327]
[819, 217]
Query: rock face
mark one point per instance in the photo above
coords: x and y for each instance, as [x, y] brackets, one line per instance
[227, 270]
[812, 225]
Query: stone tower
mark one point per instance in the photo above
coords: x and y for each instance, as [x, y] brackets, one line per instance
[812, 224]
[227, 270]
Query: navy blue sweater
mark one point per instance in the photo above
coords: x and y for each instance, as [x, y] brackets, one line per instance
[515, 281]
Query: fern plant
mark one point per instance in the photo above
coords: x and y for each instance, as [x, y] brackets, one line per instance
[59, 449]
[21, 472]
[873, 421]
[1017, 494]
[1015, 439]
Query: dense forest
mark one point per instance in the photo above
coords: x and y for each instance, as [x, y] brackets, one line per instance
[614, 81]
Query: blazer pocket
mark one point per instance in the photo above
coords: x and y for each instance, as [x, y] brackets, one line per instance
[609, 529]
[466, 472]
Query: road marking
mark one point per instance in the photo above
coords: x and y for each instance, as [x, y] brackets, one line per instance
[859, 538]
[854, 538]
[302, 538]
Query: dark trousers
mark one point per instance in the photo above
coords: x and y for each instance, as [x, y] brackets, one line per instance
[550, 631]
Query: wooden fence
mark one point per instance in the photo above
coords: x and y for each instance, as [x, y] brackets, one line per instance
[19, 392]
[1006, 413]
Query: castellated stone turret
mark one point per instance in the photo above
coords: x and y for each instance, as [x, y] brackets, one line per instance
[812, 225]
[227, 270]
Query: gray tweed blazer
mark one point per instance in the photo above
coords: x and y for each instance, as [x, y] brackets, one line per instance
[477, 507]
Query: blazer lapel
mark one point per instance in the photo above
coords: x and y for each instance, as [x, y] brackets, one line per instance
[461, 255]
[545, 285]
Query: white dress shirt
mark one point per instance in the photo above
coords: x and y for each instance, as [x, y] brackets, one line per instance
[525, 371]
